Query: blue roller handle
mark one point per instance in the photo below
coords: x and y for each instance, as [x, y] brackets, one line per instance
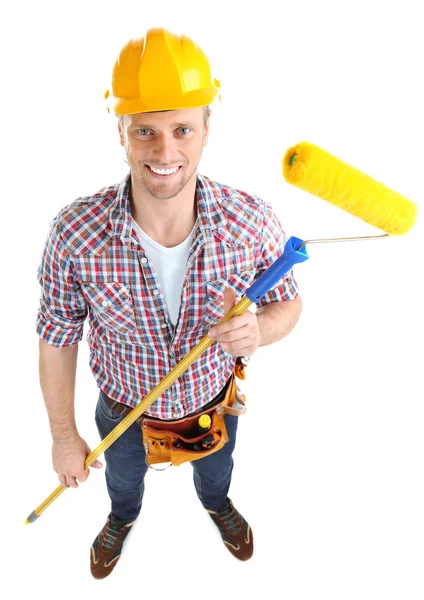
[278, 269]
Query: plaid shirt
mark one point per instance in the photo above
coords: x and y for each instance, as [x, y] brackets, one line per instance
[93, 264]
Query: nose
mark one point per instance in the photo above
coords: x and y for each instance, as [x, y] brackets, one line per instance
[164, 148]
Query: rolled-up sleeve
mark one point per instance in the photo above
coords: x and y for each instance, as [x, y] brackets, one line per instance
[272, 247]
[63, 308]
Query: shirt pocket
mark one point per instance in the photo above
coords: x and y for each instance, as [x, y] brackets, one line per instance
[111, 301]
[220, 262]
[240, 282]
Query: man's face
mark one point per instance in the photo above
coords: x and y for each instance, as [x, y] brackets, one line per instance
[170, 140]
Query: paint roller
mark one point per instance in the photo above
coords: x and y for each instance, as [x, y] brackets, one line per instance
[315, 171]
[318, 172]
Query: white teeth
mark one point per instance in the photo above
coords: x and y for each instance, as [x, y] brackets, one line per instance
[164, 171]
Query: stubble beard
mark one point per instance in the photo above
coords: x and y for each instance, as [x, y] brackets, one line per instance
[167, 193]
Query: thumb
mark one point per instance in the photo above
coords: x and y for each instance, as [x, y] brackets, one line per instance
[96, 464]
[229, 299]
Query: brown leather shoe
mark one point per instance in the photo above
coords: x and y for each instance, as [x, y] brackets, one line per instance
[106, 549]
[235, 530]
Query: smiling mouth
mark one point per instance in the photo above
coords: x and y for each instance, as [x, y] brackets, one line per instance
[163, 173]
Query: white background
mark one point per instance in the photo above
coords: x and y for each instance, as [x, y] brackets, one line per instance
[329, 459]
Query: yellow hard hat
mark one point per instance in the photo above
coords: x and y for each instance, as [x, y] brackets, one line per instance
[161, 71]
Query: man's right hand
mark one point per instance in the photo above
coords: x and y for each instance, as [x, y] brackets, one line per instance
[68, 458]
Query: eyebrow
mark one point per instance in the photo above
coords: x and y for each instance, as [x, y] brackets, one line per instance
[153, 125]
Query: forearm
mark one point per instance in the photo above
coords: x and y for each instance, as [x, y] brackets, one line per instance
[277, 320]
[57, 370]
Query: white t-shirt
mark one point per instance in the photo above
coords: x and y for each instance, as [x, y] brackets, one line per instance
[170, 265]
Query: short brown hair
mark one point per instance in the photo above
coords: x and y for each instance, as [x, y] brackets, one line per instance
[206, 115]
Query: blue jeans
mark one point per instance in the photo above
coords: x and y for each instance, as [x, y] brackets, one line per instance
[126, 466]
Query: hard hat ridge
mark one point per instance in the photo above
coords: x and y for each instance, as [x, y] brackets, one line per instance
[161, 71]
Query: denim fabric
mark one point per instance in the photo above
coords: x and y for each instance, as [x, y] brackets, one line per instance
[126, 465]
[212, 474]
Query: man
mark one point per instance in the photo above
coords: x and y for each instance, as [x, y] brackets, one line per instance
[155, 261]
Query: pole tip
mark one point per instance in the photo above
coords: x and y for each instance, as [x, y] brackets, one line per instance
[32, 517]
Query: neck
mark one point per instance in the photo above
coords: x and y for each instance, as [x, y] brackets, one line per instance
[167, 221]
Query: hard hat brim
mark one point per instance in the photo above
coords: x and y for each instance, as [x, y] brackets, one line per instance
[196, 99]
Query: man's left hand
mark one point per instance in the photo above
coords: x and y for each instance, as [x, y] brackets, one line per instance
[239, 336]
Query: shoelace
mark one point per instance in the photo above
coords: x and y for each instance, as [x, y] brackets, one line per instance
[111, 534]
[228, 516]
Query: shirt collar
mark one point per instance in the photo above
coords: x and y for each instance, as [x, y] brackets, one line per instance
[210, 215]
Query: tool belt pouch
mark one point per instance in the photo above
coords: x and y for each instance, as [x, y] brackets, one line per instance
[179, 441]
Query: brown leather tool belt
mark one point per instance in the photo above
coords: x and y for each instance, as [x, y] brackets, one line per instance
[179, 441]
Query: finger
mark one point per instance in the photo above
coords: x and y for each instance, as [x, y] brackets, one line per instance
[234, 323]
[245, 351]
[96, 464]
[71, 481]
[229, 299]
[82, 476]
[62, 480]
[235, 335]
[239, 349]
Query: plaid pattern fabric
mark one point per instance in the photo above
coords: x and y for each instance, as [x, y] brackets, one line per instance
[93, 265]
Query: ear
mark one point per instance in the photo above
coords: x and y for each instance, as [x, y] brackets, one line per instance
[206, 132]
[121, 135]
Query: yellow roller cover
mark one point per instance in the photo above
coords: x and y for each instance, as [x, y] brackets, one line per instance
[314, 170]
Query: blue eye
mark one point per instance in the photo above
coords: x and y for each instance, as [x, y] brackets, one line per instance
[140, 131]
[187, 129]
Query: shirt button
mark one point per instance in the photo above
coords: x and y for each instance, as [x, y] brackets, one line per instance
[156, 292]
[163, 325]
[144, 260]
[105, 303]
[175, 415]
